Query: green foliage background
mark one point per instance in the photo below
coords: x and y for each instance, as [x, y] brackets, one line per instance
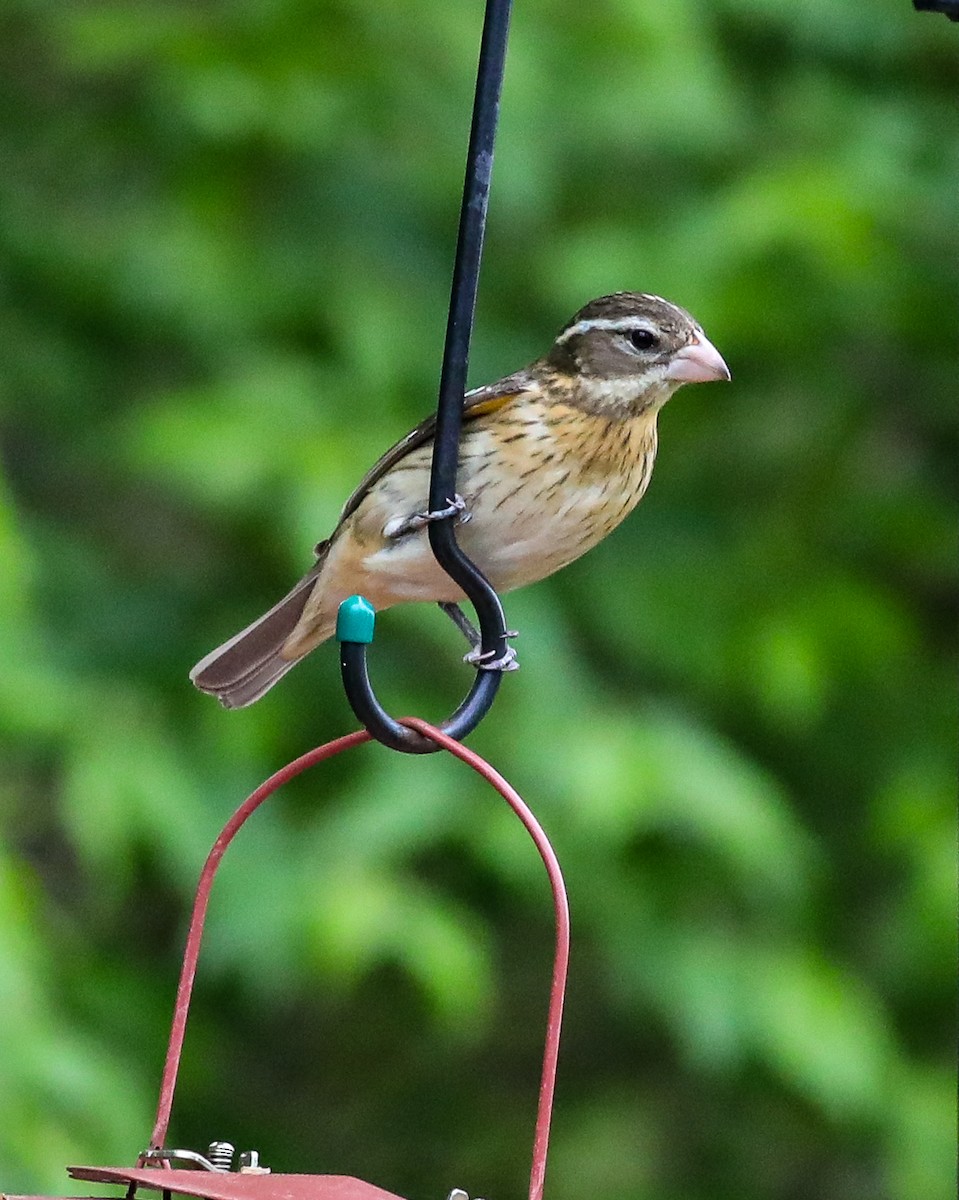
[226, 231]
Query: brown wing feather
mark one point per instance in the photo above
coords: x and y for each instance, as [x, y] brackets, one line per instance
[476, 404]
[242, 669]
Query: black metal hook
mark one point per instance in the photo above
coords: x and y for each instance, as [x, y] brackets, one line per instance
[354, 631]
[449, 416]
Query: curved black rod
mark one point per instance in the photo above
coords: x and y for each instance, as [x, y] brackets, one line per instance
[389, 731]
[469, 250]
[449, 414]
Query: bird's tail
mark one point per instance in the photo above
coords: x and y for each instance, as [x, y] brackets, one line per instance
[242, 669]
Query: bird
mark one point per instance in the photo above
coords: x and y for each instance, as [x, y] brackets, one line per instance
[551, 459]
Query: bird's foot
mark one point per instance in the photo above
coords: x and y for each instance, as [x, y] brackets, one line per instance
[490, 661]
[487, 661]
[398, 527]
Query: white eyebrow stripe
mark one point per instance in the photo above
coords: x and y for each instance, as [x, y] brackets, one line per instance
[614, 325]
[650, 296]
[668, 303]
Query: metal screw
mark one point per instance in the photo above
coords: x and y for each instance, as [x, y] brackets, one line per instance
[220, 1155]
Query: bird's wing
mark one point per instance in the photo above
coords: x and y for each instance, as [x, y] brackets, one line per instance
[476, 403]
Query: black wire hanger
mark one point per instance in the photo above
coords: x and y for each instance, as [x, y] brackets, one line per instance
[355, 628]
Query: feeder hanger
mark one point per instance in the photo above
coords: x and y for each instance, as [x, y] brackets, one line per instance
[356, 617]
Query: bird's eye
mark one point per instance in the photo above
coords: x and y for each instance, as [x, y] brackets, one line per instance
[643, 339]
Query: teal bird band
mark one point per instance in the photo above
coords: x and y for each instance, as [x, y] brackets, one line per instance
[355, 620]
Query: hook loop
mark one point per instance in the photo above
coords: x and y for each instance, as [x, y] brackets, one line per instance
[354, 631]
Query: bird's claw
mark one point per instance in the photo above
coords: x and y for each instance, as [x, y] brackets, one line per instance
[454, 508]
[400, 526]
[489, 661]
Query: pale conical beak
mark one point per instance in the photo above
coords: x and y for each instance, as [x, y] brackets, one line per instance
[699, 362]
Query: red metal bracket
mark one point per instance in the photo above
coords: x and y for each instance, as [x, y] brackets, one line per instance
[214, 1185]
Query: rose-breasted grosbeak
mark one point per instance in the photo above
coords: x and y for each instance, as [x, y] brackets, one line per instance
[551, 459]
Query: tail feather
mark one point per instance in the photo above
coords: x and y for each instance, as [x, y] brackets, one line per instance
[246, 666]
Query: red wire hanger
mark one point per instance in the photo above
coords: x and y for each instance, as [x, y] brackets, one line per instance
[215, 1181]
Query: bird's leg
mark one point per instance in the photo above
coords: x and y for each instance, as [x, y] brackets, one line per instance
[397, 527]
[462, 622]
[476, 658]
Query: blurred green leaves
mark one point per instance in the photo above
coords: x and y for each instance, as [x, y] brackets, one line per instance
[225, 242]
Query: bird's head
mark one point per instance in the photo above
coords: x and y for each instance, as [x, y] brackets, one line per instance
[627, 353]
